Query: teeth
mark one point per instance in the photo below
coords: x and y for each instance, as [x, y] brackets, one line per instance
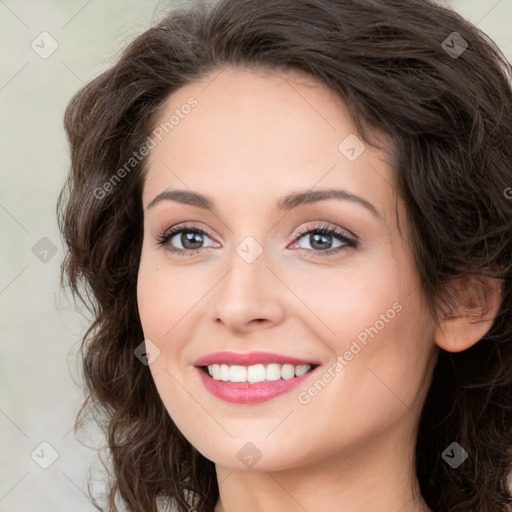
[238, 373]
[257, 372]
[301, 369]
[287, 371]
[273, 371]
[224, 372]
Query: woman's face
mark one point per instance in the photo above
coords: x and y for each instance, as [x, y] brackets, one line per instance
[280, 255]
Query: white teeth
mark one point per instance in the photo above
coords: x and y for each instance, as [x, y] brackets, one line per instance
[257, 372]
[288, 371]
[214, 370]
[273, 371]
[237, 373]
[224, 372]
[301, 369]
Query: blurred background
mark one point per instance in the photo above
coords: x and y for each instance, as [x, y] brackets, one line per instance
[49, 49]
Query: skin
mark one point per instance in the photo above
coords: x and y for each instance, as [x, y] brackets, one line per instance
[253, 138]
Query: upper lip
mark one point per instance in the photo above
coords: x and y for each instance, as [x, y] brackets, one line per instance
[249, 359]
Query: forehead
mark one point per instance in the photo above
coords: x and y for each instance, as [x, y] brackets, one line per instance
[261, 134]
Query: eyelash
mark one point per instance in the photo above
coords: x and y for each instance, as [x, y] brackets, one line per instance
[163, 239]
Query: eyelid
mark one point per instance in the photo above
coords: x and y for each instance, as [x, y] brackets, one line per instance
[192, 226]
[323, 225]
[348, 239]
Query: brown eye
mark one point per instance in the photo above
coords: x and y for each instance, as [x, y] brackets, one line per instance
[190, 239]
[185, 240]
[324, 239]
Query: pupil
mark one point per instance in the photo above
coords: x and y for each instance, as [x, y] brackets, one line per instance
[317, 239]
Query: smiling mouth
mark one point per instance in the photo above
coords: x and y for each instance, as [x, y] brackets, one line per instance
[257, 372]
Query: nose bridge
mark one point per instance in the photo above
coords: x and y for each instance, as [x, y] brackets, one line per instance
[246, 292]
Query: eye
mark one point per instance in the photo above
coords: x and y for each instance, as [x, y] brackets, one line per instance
[189, 240]
[184, 240]
[320, 239]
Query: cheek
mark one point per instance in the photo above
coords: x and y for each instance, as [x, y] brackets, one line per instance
[376, 324]
[161, 296]
[162, 302]
[380, 369]
[150, 292]
[169, 301]
[356, 301]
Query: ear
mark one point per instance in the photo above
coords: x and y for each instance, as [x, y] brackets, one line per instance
[476, 301]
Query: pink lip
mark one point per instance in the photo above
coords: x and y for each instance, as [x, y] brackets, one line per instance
[250, 393]
[249, 358]
[245, 392]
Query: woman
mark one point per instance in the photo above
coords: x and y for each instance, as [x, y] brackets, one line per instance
[292, 222]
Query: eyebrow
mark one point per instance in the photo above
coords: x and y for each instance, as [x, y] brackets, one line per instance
[287, 203]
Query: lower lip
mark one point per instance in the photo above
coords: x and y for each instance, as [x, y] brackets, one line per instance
[250, 393]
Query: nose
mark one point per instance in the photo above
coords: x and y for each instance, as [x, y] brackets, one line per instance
[249, 296]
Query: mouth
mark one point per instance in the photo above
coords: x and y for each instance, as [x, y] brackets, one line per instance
[256, 373]
[252, 377]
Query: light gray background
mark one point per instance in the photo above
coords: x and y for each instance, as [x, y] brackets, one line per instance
[40, 331]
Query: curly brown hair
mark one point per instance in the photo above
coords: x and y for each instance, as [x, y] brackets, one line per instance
[449, 117]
